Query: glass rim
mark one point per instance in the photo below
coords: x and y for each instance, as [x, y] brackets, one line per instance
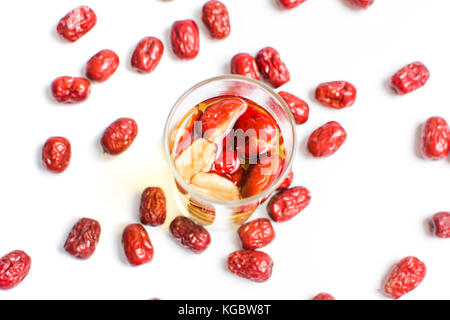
[244, 201]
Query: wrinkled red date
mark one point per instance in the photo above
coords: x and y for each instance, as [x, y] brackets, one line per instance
[185, 39]
[83, 238]
[77, 23]
[406, 276]
[324, 296]
[147, 54]
[102, 66]
[440, 224]
[71, 90]
[256, 234]
[244, 65]
[327, 139]
[287, 182]
[152, 210]
[14, 267]
[272, 67]
[286, 204]
[298, 107]
[119, 135]
[137, 245]
[252, 265]
[227, 163]
[56, 154]
[189, 234]
[290, 4]
[216, 19]
[336, 94]
[435, 139]
[410, 78]
[360, 4]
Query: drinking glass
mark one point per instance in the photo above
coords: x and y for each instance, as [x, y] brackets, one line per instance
[221, 213]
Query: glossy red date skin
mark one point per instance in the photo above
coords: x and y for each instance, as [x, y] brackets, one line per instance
[298, 107]
[272, 67]
[256, 234]
[440, 225]
[152, 210]
[137, 245]
[290, 4]
[185, 39]
[336, 94]
[216, 18]
[83, 239]
[227, 163]
[261, 129]
[261, 175]
[217, 115]
[252, 265]
[327, 139]
[406, 276]
[190, 235]
[324, 296]
[288, 203]
[360, 4]
[119, 136]
[147, 55]
[56, 154]
[236, 177]
[435, 139]
[287, 182]
[410, 78]
[102, 66]
[14, 267]
[77, 23]
[244, 65]
[71, 90]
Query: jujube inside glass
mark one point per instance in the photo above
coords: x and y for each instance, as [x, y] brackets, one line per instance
[229, 143]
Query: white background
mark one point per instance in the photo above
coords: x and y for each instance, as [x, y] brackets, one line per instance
[370, 201]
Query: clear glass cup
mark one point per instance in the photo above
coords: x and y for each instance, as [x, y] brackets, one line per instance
[221, 213]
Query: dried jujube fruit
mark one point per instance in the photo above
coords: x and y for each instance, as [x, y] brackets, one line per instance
[256, 234]
[102, 65]
[77, 23]
[410, 78]
[71, 89]
[152, 210]
[185, 39]
[83, 238]
[189, 234]
[119, 136]
[327, 139]
[272, 68]
[137, 245]
[289, 202]
[405, 277]
[56, 154]
[14, 267]
[147, 54]
[252, 265]
[435, 142]
[216, 19]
